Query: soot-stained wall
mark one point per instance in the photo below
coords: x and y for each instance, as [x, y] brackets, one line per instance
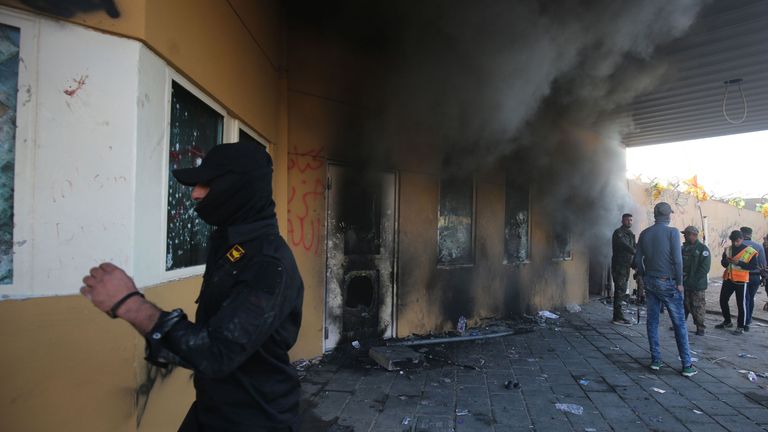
[432, 297]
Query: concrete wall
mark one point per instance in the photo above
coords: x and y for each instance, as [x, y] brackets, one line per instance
[721, 218]
[91, 169]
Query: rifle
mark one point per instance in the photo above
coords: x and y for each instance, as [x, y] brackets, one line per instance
[640, 298]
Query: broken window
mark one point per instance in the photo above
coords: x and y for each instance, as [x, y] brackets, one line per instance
[562, 240]
[361, 217]
[195, 129]
[517, 223]
[455, 222]
[9, 84]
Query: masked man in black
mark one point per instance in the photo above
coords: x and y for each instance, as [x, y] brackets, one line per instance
[249, 309]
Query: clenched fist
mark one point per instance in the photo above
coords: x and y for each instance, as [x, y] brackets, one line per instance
[105, 285]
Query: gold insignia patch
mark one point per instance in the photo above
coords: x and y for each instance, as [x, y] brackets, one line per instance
[235, 253]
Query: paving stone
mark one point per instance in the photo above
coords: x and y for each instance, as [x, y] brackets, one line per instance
[738, 424]
[548, 365]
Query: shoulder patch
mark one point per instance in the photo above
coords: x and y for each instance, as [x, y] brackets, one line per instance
[235, 253]
[705, 253]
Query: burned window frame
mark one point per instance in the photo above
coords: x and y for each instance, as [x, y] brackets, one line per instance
[525, 187]
[557, 249]
[469, 260]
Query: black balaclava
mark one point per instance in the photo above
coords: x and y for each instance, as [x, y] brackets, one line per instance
[238, 198]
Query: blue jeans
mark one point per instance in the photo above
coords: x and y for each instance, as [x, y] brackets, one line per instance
[750, 300]
[663, 292]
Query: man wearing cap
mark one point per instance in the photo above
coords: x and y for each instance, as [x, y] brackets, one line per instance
[659, 260]
[738, 260]
[696, 264]
[754, 275]
[623, 247]
[249, 308]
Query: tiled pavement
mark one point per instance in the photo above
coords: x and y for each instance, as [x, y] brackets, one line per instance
[548, 365]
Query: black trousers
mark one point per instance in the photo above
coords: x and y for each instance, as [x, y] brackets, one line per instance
[726, 291]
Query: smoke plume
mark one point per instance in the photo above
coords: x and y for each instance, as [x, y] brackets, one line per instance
[533, 86]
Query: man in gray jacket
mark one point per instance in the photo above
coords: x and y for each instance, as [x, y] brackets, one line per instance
[659, 260]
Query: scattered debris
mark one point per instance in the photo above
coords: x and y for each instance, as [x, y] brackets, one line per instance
[615, 348]
[458, 338]
[658, 390]
[302, 364]
[461, 326]
[573, 308]
[745, 355]
[451, 362]
[648, 377]
[548, 314]
[583, 382]
[509, 385]
[356, 344]
[718, 359]
[388, 356]
[698, 412]
[590, 430]
[751, 376]
[462, 412]
[406, 420]
[570, 408]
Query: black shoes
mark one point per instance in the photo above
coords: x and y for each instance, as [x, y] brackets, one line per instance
[724, 325]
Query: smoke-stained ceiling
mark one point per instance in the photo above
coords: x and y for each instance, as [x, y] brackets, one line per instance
[727, 42]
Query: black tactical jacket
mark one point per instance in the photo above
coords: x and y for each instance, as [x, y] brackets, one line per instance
[248, 317]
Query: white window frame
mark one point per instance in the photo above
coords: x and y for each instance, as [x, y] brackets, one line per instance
[227, 131]
[24, 153]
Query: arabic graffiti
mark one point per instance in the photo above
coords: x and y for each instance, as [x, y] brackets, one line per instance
[305, 199]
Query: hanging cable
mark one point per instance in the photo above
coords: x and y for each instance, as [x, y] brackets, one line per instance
[728, 83]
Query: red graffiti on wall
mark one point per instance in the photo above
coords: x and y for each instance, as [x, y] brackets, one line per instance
[305, 199]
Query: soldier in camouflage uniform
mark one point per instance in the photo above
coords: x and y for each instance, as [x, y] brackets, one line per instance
[696, 263]
[623, 243]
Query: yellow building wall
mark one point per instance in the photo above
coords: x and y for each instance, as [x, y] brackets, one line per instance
[67, 366]
[231, 50]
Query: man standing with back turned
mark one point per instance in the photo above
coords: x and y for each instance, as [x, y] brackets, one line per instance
[659, 260]
[249, 309]
[623, 246]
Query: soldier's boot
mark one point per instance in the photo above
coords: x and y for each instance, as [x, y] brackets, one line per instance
[699, 331]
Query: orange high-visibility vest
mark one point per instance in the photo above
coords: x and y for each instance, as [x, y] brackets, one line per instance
[737, 274]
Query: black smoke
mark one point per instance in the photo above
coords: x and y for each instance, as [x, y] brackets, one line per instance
[537, 87]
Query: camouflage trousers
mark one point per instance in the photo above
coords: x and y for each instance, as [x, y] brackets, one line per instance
[695, 304]
[620, 276]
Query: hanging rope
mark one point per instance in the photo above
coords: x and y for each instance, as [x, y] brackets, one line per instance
[728, 83]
